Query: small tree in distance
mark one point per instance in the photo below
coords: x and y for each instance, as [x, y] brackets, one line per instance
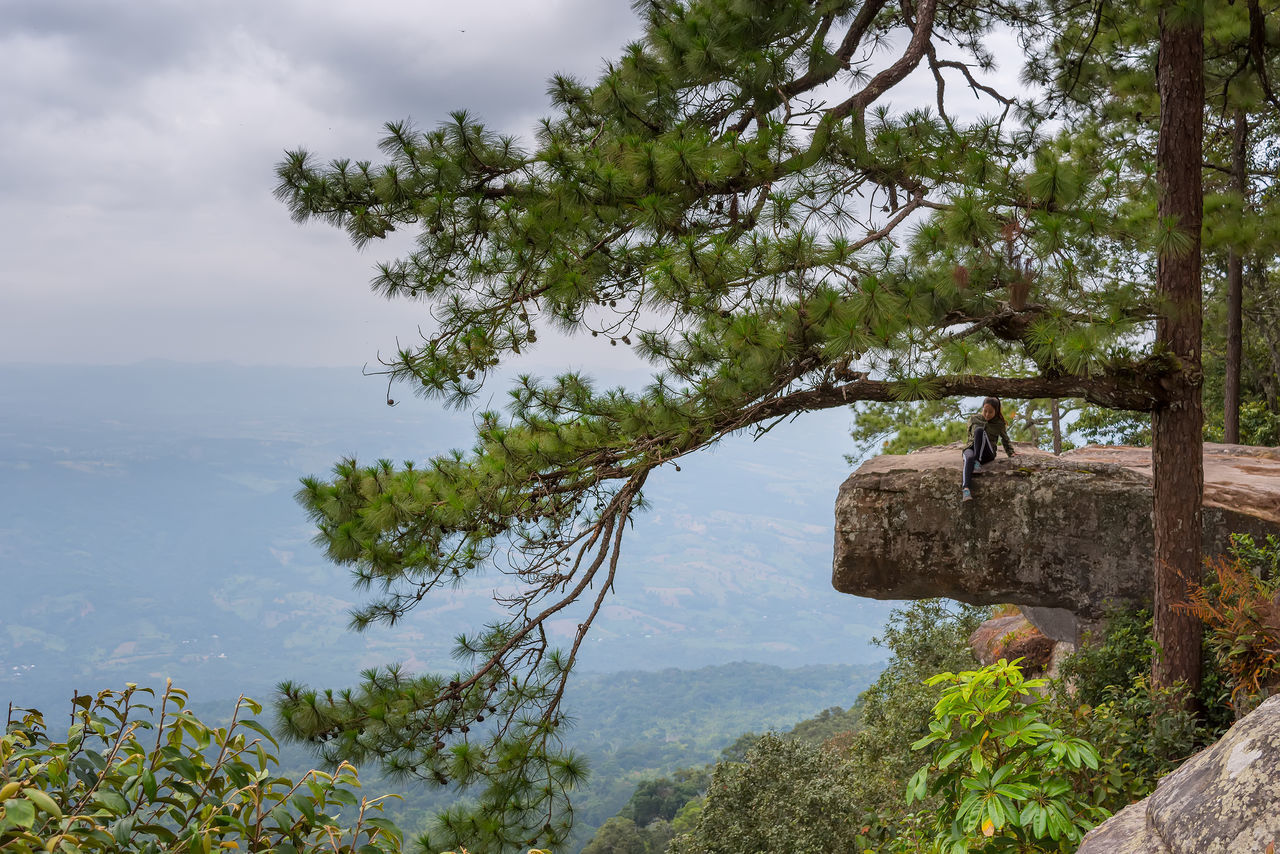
[736, 200]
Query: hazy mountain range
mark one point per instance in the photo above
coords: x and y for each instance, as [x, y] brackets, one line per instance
[148, 530]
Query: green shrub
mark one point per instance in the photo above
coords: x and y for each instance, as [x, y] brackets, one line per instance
[924, 638]
[1116, 662]
[1141, 734]
[1259, 425]
[620, 835]
[1104, 696]
[1239, 603]
[1008, 780]
[129, 777]
[761, 783]
[1116, 657]
[663, 797]
[788, 795]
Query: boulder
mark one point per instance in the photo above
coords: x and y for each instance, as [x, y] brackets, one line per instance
[1062, 536]
[1223, 800]
[1010, 638]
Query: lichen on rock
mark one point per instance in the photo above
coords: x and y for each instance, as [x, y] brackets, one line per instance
[1223, 800]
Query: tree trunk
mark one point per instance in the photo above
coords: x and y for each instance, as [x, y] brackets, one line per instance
[1235, 290]
[1056, 415]
[1177, 425]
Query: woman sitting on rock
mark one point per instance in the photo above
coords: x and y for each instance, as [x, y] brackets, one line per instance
[984, 429]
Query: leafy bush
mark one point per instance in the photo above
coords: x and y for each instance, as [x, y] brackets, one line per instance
[1116, 662]
[664, 806]
[1008, 780]
[129, 778]
[1258, 424]
[1141, 734]
[1104, 695]
[1117, 657]
[830, 726]
[662, 798]
[864, 754]
[788, 795]
[620, 835]
[924, 638]
[1239, 603]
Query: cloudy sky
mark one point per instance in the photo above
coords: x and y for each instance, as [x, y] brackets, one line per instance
[139, 139]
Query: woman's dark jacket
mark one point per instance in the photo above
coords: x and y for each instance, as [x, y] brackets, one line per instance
[996, 429]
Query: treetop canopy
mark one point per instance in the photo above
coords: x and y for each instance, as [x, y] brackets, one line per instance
[745, 199]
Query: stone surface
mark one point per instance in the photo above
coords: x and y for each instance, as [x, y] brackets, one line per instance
[1010, 638]
[1058, 623]
[1070, 533]
[1062, 650]
[1223, 800]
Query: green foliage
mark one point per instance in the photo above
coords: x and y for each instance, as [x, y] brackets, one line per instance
[1259, 424]
[662, 798]
[1050, 764]
[899, 428]
[125, 779]
[636, 725]
[1141, 733]
[677, 799]
[705, 201]
[826, 728]
[686, 820]
[1104, 695]
[787, 795]
[1104, 67]
[1116, 662]
[1007, 779]
[1259, 559]
[924, 638]
[1099, 426]
[1114, 658]
[828, 725]
[864, 752]
[620, 835]
[1239, 602]
[526, 769]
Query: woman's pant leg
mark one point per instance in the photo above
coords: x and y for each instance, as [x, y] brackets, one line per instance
[983, 451]
[970, 456]
[984, 448]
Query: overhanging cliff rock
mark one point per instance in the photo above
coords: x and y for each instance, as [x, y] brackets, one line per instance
[1057, 535]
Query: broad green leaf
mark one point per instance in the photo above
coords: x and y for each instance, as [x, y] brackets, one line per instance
[19, 812]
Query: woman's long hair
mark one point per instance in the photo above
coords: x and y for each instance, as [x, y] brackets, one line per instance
[995, 404]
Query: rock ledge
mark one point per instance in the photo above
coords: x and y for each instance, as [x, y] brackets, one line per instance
[1071, 533]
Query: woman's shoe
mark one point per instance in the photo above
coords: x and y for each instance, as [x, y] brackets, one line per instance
[966, 495]
[977, 467]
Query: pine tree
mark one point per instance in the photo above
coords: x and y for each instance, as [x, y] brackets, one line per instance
[1141, 70]
[735, 199]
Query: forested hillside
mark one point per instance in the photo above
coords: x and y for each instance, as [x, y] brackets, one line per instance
[633, 726]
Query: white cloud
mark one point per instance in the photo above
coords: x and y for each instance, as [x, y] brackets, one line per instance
[141, 137]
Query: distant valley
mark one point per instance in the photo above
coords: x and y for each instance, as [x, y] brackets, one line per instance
[146, 516]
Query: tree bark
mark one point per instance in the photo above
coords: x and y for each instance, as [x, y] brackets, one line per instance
[1177, 424]
[1235, 290]
[1056, 414]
